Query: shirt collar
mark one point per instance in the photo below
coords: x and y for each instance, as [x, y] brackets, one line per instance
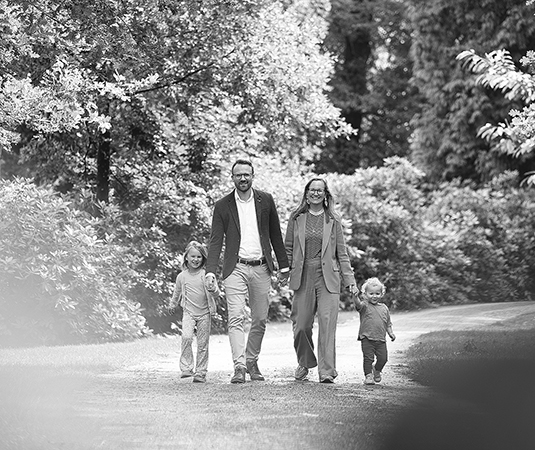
[238, 199]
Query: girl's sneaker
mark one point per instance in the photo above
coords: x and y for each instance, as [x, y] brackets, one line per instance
[369, 379]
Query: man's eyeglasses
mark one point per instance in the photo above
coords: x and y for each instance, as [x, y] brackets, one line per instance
[317, 191]
[238, 176]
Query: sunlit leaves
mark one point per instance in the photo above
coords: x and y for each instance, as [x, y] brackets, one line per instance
[496, 70]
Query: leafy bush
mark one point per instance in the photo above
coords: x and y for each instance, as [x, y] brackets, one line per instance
[390, 237]
[495, 226]
[60, 283]
[457, 244]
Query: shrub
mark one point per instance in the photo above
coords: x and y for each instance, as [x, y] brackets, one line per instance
[60, 283]
[495, 226]
[391, 238]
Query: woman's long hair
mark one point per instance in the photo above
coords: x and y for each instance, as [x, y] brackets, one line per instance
[328, 202]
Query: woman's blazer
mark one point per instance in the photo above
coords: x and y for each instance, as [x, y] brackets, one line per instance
[335, 262]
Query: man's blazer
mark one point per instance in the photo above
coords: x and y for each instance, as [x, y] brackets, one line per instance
[335, 262]
[226, 229]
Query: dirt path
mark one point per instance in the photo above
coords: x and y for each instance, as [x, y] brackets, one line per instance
[150, 407]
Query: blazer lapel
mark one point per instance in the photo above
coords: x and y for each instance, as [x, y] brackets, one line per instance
[258, 209]
[234, 211]
[327, 228]
[301, 227]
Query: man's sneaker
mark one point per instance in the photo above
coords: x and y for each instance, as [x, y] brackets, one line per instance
[376, 375]
[199, 378]
[301, 373]
[186, 374]
[254, 372]
[369, 379]
[239, 375]
[327, 379]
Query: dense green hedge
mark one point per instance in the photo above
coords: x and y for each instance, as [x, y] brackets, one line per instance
[59, 283]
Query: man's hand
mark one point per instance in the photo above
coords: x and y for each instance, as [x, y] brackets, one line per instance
[393, 337]
[210, 282]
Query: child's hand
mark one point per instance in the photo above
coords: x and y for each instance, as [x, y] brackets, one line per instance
[172, 310]
[210, 282]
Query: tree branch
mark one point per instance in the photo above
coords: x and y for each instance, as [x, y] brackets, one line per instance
[181, 79]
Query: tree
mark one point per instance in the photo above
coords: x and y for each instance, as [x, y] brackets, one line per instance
[231, 76]
[371, 83]
[445, 143]
[133, 107]
[497, 71]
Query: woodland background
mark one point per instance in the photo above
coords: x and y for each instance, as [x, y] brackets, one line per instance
[120, 119]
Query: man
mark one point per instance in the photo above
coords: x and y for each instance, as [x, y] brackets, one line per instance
[246, 220]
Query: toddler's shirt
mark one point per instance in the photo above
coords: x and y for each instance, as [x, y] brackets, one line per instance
[374, 320]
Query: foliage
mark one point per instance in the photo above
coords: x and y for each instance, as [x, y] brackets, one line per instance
[418, 260]
[218, 76]
[445, 142]
[370, 84]
[495, 229]
[139, 104]
[497, 70]
[60, 283]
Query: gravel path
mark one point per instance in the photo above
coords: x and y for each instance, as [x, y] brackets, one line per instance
[150, 407]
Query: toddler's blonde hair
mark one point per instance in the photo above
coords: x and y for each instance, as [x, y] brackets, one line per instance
[374, 281]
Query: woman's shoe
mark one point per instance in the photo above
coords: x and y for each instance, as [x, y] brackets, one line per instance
[199, 379]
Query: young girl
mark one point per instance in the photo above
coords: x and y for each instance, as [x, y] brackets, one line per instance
[374, 324]
[198, 305]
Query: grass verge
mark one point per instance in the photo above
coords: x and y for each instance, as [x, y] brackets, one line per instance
[484, 385]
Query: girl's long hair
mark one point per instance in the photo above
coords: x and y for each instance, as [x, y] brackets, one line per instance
[201, 248]
[328, 202]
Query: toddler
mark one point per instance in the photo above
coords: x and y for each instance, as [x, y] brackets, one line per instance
[198, 305]
[374, 324]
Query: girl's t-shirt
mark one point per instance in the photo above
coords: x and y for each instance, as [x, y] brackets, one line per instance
[195, 301]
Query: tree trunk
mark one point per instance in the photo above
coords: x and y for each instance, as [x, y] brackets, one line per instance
[103, 167]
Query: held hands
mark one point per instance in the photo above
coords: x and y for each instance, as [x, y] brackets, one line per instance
[282, 277]
[353, 289]
[210, 282]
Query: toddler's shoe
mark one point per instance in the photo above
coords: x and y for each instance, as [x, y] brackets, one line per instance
[369, 379]
[376, 375]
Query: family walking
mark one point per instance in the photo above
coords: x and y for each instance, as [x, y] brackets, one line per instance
[312, 258]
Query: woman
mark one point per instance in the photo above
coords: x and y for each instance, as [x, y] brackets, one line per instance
[319, 262]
